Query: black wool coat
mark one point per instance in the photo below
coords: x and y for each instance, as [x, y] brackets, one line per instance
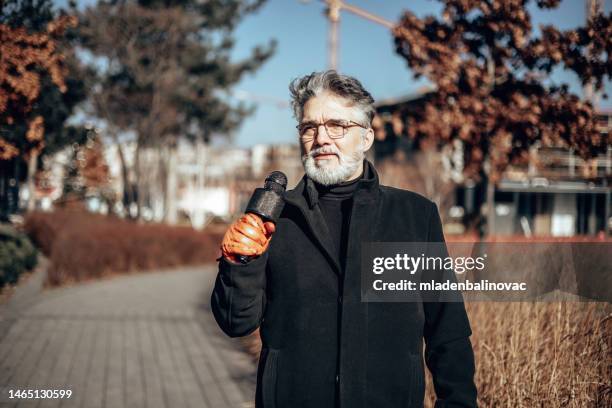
[322, 346]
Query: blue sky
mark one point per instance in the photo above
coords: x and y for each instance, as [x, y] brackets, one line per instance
[366, 51]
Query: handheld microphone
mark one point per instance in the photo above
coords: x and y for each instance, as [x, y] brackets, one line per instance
[267, 202]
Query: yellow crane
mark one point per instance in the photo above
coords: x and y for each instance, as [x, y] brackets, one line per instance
[334, 7]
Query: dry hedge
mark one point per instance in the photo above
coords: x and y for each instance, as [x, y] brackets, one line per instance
[84, 246]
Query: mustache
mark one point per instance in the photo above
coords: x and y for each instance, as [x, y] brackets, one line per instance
[324, 150]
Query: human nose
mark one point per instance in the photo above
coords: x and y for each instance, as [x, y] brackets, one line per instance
[322, 137]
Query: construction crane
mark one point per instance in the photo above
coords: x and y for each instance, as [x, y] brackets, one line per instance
[334, 7]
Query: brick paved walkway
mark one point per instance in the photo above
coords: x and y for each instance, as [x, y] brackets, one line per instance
[145, 340]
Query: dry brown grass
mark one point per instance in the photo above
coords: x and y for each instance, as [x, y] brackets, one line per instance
[541, 354]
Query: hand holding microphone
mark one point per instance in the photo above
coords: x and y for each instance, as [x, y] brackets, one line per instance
[250, 235]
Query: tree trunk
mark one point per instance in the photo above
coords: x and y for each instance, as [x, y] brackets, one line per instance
[171, 187]
[490, 207]
[139, 183]
[32, 164]
[127, 195]
[199, 217]
[430, 176]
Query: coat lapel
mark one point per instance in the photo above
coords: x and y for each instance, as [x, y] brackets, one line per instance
[364, 214]
[305, 198]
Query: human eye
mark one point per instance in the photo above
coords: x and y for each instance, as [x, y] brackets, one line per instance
[307, 129]
[336, 127]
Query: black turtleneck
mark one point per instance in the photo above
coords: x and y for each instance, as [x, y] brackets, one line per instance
[336, 203]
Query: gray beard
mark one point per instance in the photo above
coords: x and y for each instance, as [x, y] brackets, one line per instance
[346, 167]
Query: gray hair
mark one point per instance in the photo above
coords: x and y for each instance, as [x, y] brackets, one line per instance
[304, 88]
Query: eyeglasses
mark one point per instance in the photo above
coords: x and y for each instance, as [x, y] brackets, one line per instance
[336, 129]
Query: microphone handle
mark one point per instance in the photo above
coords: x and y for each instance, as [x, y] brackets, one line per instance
[244, 259]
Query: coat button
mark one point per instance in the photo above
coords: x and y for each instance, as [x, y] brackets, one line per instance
[340, 299]
[337, 379]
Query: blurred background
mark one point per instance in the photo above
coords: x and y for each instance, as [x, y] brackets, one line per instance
[133, 132]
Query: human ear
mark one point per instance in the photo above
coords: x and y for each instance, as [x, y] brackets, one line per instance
[368, 139]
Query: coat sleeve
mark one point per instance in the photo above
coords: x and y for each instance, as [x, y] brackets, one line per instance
[448, 350]
[238, 297]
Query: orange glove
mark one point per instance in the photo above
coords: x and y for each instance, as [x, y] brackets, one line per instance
[249, 236]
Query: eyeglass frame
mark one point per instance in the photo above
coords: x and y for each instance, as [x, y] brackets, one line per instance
[350, 124]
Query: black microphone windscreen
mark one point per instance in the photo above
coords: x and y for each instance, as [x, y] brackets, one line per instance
[276, 181]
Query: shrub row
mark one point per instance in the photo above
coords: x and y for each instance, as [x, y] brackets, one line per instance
[17, 255]
[85, 246]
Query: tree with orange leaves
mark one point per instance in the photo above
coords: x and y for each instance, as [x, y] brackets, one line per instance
[491, 75]
[24, 58]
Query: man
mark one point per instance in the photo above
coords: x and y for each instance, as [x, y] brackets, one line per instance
[322, 347]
